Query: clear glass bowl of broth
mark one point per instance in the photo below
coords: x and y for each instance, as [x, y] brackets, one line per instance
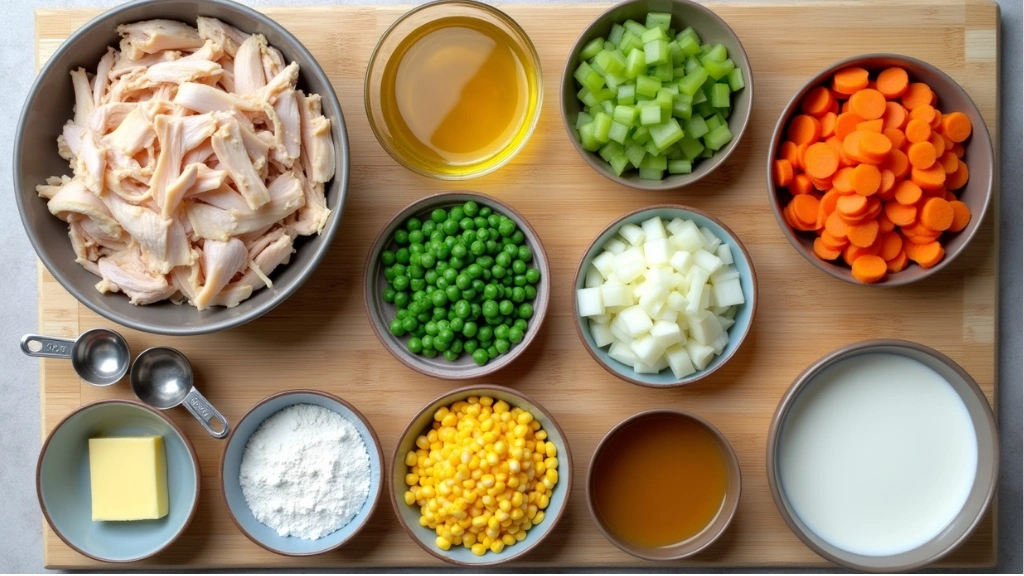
[453, 89]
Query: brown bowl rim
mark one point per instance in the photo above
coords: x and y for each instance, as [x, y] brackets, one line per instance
[700, 375]
[842, 273]
[531, 51]
[453, 396]
[801, 382]
[540, 303]
[681, 180]
[735, 473]
[376, 445]
[195, 470]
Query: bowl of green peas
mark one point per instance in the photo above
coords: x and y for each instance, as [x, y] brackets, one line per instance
[457, 285]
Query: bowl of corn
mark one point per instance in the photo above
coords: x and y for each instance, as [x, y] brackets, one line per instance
[481, 476]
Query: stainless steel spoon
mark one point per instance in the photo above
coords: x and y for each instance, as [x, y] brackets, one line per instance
[99, 356]
[162, 377]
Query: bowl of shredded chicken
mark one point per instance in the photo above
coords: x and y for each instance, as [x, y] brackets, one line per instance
[198, 174]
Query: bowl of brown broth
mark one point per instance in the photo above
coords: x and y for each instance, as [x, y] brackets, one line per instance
[453, 89]
[663, 484]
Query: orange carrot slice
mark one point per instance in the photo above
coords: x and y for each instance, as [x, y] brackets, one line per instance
[922, 155]
[897, 264]
[892, 243]
[961, 216]
[892, 82]
[817, 101]
[937, 214]
[931, 178]
[868, 268]
[958, 179]
[900, 214]
[917, 94]
[907, 193]
[804, 129]
[918, 131]
[866, 179]
[863, 234]
[846, 124]
[868, 104]
[825, 252]
[821, 161]
[895, 115]
[849, 80]
[956, 126]
[782, 172]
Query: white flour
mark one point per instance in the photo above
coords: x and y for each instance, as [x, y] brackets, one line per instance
[305, 472]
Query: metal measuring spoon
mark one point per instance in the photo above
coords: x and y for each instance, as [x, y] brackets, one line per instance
[162, 377]
[99, 356]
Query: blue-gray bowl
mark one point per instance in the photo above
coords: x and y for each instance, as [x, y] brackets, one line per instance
[62, 482]
[231, 462]
[744, 316]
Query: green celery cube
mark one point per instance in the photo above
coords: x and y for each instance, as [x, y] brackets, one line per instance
[587, 97]
[651, 174]
[641, 135]
[626, 94]
[587, 139]
[590, 49]
[661, 20]
[736, 80]
[635, 153]
[604, 94]
[647, 86]
[652, 34]
[630, 42]
[713, 122]
[717, 138]
[602, 124]
[650, 114]
[666, 134]
[691, 33]
[675, 55]
[618, 132]
[691, 147]
[609, 150]
[613, 62]
[681, 110]
[692, 82]
[634, 27]
[691, 64]
[636, 63]
[717, 53]
[680, 166]
[656, 52]
[705, 109]
[607, 107]
[588, 77]
[625, 114]
[664, 100]
[718, 70]
[616, 33]
[688, 46]
[583, 118]
[696, 126]
[619, 163]
[720, 96]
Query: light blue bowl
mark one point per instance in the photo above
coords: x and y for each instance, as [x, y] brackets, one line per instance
[409, 516]
[62, 482]
[744, 316]
[231, 463]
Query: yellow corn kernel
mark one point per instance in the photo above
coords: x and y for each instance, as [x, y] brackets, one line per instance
[478, 549]
[540, 435]
[457, 530]
[534, 425]
[422, 442]
[514, 528]
[443, 543]
[487, 480]
[409, 498]
[540, 467]
[493, 523]
[531, 511]
[551, 450]
[520, 536]
[497, 546]
[520, 431]
[501, 407]
[524, 418]
[517, 499]
[505, 505]
[519, 442]
[542, 501]
[486, 400]
[552, 475]
[492, 533]
[410, 458]
[469, 539]
[539, 517]
[508, 539]
[487, 425]
[424, 521]
[473, 410]
[501, 516]
[516, 514]
[487, 500]
[412, 479]
[500, 448]
[479, 521]
[551, 463]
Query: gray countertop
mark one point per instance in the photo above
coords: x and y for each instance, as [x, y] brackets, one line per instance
[20, 519]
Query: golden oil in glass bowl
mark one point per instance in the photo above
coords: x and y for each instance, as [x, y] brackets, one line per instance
[458, 94]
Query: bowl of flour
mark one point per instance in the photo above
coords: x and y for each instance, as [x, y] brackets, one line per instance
[302, 472]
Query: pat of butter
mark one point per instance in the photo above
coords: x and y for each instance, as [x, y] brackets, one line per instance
[128, 477]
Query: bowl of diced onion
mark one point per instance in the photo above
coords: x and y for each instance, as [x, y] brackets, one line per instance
[664, 296]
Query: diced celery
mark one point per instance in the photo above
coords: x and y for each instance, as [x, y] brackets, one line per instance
[630, 42]
[675, 55]
[673, 152]
[609, 150]
[619, 163]
[588, 77]
[634, 27]
[614, 80]
[688, 46]
[664, 100]
[626, 94]
[736, 80]
[651, 174]
[607, 107]
[625, 114]
[692, 82]
[691, 64]
[618, 132]
[610, 45]
[670, 88]
[636, 63]
[652, 149]
[691, 147]
[718, 137]
[604, 94]
[650, 114]
[666, 134]
[587, 139]
[656, 162]
[698, 98]
[718, 70]
[613, 61]
[641, 135]
[713, 122]
[656, 51]
[704, 48]
[636, 154]
[707, 153]
[705, 109]
[647, 85]
[681, 110]
[590, 49]
[602, 124]
[662, 72]
[652, 34]
[720, 96]
[691, 33]
[696, 127]
[596, 67]
[662, 20]
[616, 33]
[583, 118]
[680, 166]
[671, 33]
[587, 97]
[678, 72]
[718, 53]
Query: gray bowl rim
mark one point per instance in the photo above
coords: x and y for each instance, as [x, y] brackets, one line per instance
[701, 374]
[540, 303]
[368, 105]
[377, 451]
[452, 397]
[681, 180]
[342, 151]
[801, 382]
[733, 494]
[181, 434]
[833, 270]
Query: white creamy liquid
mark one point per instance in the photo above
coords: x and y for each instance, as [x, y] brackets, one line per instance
[878, 455]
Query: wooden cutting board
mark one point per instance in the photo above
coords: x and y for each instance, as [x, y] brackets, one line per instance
[321, 337]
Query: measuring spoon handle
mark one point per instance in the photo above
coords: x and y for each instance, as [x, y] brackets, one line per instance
[201, 408]
[49, 347]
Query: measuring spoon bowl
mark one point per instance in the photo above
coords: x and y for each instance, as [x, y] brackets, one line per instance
[162, 378]
[99, 356]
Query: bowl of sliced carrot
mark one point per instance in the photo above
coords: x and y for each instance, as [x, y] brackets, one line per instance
[880, 170]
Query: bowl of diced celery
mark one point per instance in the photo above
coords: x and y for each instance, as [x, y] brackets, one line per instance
[664, 296]
[656, 94]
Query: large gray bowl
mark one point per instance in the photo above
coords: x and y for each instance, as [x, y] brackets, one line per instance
[49, 106]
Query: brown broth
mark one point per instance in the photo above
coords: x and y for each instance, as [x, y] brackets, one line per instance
[659, 481]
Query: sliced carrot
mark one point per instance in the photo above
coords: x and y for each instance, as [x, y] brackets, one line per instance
[931, 178]
[918, 131]
[801, 149]
[921, 155]
[961, 216]
[874, 208]
[805, 208]
[887, 182]
[939, 143]
[907, 193]
[863, 234]
[897, 264]
[928, 255]
[958, 179]
[869, 104]
[821, 161]
[898, 162]
[804, 129]
[892, 82]
[849, 80]
[949, 143]
[866, 179]
[900, 214]
[936, 122]
[896, 136]
[918, 234]
[958, 149]
[949, 196]
[851, 253]
[925, 113]
[852, 205]
[836, 145]
[892, 243]
[846, 124]
[820, 184]
[787, 151]
[956, 126]
[833, 242]
[868, 268]
[825, 252]
[835, 225]
[782, 172]
[817, 101]
[937, 214]
[895, 115]
[828, 124]
[787, 215]
[867, 147]
[842, 180]
[871, 125]
[917, 94]
[801, 184]
[884, 224]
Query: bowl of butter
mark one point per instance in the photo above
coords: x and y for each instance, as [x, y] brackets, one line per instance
[117, 481]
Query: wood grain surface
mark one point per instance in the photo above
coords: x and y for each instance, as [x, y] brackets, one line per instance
[321, 337]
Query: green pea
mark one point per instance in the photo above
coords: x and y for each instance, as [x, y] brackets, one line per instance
[456, 262]
[498, 271]
[389, 274]
[494, 220]
[415, 345]
[501, 345]
[470, 208]
[477, 248]
[429, 352]
[387, 257]
[423, 317]
[401, 299]
[490, 309]
[428, 341]
[492, 247]
[531, 292]
[389, 295]
[492, 352]
[501, 332]
[453, 293]
[518, 237]
[450, 275]
[470, 346]
[401, 237]
[518, 295]
[402, 256]
[490, 292]
[396, 327]
[507, 227]
[440, 312]
[485, 261]
[475, 270]
[447, 335]
[469, 330]
[503, 259]
[515, 335]
[431, 328]
[416, 237]
[526, 310]
[480, 356]
[442, 252]
[441, 283]
[487, 275]
[457, 213]
[428, 228]
[415, 259]
[456, 345]
[400, 283]
[459, 251]
[436, 234]
[450, 226]
[518, 267]
[410, 324]
[493, 234]
[431, 277]
[494, 321]
[417, 284]
[485, 211]
[485, 334]
[479, 222]
[438, 215]
[483, 235]
[401, 314]
[442, 325]
[416, 249]
[450, 355]
[532, 275]
[520, 323]
[466, 224]
[519, 280]
[458, 324]
[442, 265]
[469, 293]
[439, 298]
[416, 271]
[506, 307]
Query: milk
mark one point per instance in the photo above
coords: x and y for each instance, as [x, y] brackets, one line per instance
[878, 455]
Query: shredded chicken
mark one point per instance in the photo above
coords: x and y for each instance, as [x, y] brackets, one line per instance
[196, 164]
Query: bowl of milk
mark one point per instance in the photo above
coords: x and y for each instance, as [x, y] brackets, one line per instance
[883, 456]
